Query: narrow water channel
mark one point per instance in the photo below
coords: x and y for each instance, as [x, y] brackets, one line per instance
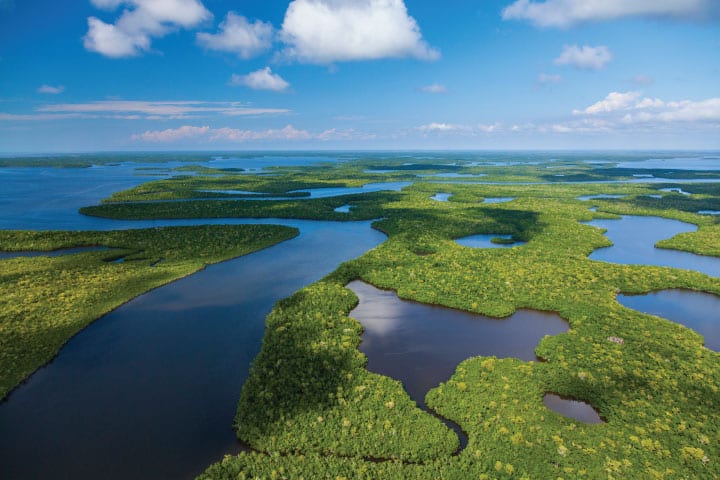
[149, 391]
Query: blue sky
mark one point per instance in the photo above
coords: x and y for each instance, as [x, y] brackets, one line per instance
[358, 74]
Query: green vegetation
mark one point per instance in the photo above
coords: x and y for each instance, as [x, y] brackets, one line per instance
[309, 398]
[310, 409]
[44, 301]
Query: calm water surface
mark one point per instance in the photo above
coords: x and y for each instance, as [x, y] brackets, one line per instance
[422, 345]
[576, 409]
[485, 241]
[696, 310]
[149, 391]
[634, 240]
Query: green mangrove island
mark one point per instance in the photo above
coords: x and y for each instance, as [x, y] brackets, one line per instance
[310, 407]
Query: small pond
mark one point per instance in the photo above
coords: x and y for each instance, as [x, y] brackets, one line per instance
[441, 197]
[709, 212]
[499, 199]
[576, 409]
[695, 310]
[486, 241]
[634, 240]
[585, 198]
[343, 209]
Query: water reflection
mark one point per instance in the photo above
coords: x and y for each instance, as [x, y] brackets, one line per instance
[634, 240]
[695, 310]
[421, 345]
[343, 209]
[576, 409]
[442, 197]
[486, 241]
[585, 198]
[149, 391]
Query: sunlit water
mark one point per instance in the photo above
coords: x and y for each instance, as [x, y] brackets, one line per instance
[149, 391]
[634, 240]
[696, 310]
[485, 241]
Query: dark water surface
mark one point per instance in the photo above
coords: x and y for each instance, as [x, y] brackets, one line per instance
[634, 240]
[149, 391]
[575, 409]
[696, 310]
[422, 345]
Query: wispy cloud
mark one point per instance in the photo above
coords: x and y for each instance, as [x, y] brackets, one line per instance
[227, 134]
[50, 90]
[239, 36]
[140, 22]
[585, 57]
[161, 109]
[327, 31]
[263, 79]
[135, 110]
[436, 127]
[434, 88]
[566, 13]
[548, 79]
[643, 80]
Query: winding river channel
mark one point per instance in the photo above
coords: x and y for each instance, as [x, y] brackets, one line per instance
[149, 390]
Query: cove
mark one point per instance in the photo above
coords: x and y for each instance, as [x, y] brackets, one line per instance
[634, 240]
[422, 345]
[695, 310]
[149, 391]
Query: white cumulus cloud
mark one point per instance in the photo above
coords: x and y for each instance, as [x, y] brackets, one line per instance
[239, 36]
[140, 22]
[632, 108]
[327, 31]
[565, 13]
[612, 102]
[585, 57]
[51, 90]
[263, 79]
